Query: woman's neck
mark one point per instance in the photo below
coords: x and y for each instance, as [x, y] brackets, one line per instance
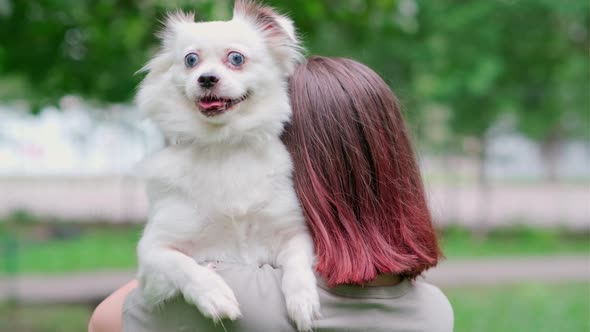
[384, 280]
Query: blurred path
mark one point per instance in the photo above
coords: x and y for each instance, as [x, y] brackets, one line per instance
[92, 286]
[498, 271]
[120, 199]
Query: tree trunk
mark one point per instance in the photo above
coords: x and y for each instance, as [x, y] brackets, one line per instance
[550, 151]
[483, 185]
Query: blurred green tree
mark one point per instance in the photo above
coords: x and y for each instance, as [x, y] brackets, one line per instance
[528, 57]
[87, 47]
[476, 60]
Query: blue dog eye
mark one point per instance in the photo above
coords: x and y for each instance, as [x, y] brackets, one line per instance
[236, 59]
[191, 60]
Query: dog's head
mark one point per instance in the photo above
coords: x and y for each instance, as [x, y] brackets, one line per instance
[219, 81]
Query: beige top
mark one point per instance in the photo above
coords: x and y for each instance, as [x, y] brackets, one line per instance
[408, 306]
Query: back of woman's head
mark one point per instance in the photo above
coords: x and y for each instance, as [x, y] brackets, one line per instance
[356, 174]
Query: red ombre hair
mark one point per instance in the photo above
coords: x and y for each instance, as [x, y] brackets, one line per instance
[356, 175]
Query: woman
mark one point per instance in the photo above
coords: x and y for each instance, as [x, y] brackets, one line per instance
[363, 198]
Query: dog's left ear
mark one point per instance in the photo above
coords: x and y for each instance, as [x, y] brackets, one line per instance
[277, 29]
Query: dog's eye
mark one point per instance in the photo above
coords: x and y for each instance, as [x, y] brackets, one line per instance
[191, 60]
[236, 59]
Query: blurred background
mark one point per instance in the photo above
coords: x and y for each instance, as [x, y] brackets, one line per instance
[496, 94]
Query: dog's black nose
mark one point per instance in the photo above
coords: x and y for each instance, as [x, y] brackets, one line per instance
[208, 80]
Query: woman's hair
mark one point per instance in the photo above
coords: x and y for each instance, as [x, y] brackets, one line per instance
[356, 175]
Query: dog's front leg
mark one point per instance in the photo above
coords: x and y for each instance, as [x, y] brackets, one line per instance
[299, 282]
[165, 271]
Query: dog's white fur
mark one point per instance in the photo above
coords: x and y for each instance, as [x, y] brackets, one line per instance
[223, 191]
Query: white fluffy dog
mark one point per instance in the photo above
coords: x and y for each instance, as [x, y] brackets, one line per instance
[223, 190]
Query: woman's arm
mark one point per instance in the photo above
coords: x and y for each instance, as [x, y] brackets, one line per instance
[107, 316]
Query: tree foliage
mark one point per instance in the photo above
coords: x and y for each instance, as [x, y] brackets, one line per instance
[477, 59]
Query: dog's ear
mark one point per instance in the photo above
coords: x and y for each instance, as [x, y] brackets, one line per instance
[277, 29]
[172, 24]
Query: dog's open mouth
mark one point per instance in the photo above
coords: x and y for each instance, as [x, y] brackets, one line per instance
[214, 105]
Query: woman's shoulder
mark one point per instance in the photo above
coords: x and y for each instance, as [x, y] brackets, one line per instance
[407, 306]
[431, 306]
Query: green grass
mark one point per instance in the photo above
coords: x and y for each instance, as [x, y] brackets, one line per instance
[53, 318]
[458, 242]
[531, 307]
[30, 247]
[95, 249]
[524, 307]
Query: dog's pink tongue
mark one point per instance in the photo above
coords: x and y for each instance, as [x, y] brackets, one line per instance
[209, 104]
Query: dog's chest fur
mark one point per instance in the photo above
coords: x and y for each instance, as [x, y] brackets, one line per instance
[239, 203]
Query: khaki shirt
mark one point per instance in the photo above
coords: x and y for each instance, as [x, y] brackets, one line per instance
[408, 306]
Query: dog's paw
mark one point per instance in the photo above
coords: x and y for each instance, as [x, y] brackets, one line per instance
[216, 301]
[303, 307]
[155, 289]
